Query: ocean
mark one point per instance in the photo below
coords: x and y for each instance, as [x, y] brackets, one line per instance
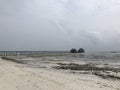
[45, 58]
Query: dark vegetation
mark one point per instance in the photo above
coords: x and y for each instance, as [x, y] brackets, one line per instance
[73, 50]
[81, 50]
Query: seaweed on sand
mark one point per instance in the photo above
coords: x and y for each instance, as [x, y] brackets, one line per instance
[99, 71]
[85, 67]
[12, 59]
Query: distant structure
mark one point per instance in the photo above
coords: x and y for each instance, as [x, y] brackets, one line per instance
[81, 50]
[31, 53]
[73, 50]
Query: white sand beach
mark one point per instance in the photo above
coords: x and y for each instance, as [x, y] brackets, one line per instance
[14, 76]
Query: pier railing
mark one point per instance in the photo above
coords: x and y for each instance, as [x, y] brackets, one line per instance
[17, 53]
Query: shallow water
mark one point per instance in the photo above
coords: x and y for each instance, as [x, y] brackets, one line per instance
[101, 59]
[45, 59]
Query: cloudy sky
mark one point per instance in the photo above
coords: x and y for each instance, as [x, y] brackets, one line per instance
[60, 24]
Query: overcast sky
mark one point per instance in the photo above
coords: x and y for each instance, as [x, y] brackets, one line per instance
[60, 24]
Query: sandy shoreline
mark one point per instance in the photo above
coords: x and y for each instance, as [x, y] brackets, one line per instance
[14, 76]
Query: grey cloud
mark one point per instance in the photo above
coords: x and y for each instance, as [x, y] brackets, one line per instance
[59, 24]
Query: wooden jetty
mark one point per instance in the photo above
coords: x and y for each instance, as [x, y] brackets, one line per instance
[29, 53]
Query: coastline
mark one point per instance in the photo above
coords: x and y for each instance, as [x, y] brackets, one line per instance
[16, 76]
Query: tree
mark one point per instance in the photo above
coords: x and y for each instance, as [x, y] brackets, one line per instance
[73, 50]
[81, 50]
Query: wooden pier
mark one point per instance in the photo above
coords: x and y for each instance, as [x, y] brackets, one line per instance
[30, 53]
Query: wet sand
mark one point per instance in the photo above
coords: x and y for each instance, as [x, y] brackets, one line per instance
[27, 76]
